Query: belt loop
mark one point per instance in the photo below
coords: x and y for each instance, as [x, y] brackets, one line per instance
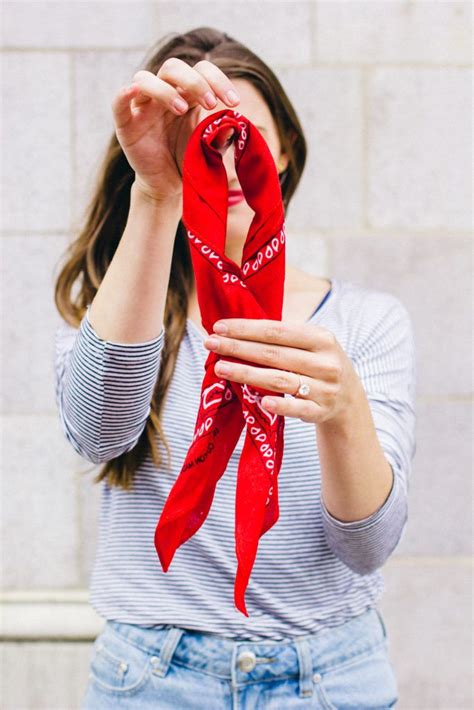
[171, 640]
[233, 666]
[305, 663]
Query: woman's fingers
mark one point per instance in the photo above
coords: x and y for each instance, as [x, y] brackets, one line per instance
[218, 81]
[175, 86]
[121, 105]
[202, 83]
[155, 87]
[193, 85]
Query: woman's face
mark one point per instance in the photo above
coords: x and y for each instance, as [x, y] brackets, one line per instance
[239, 214]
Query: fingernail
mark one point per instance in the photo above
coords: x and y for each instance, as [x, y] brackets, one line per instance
[210, 99]
[223, 368]
[220, 328]
[180, 104]
[232, 97]
[212, 342]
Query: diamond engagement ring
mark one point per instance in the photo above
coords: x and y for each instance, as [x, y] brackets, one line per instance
[303, 388]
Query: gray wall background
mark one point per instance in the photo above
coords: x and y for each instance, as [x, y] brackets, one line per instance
[384, 92]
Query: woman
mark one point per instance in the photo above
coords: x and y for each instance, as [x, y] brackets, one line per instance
[129, 368]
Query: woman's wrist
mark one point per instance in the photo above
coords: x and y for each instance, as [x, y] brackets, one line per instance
[164, 199]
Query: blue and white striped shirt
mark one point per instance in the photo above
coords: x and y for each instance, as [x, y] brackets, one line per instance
[311, 570]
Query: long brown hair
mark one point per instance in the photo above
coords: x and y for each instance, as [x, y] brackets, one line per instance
[89, 255]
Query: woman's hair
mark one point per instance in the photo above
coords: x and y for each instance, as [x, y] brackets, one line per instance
[106, 213]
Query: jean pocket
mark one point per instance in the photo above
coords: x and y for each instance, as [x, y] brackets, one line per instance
[365, 681]
[117, 666]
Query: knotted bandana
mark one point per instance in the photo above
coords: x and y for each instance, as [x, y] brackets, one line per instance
[226, 290]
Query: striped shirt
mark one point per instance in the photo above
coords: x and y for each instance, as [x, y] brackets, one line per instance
[311, 570]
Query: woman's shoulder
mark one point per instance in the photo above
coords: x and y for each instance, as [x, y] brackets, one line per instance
[372, 300]
[352, 298]
[372, 297]
[372, 318]
[362, 316]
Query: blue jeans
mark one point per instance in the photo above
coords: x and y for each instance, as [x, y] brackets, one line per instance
[345, 667]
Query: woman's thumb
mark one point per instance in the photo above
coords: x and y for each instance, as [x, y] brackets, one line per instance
[223, 139]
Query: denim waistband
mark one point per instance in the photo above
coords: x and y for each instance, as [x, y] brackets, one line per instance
[243, 662]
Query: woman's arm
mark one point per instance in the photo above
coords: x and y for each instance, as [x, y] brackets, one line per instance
[362, 402]
[106, 371]
[356, 476]
[366, 456]
[103, 390]
[130, 302]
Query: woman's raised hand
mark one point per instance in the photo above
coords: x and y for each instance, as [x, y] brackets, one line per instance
[154, 119]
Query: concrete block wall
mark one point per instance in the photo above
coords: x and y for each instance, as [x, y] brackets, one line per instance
[384, 91]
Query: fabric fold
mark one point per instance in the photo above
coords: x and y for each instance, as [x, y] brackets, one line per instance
[227, 290]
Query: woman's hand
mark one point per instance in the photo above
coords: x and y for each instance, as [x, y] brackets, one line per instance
[154, 133]
[283, 349]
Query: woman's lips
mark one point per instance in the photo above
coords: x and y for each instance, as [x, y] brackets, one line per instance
[235, 196]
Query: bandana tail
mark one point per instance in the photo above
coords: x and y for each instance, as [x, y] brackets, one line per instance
[191, 495]
[255, 510]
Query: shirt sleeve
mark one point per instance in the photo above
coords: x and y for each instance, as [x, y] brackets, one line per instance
[386, 364]
[103, 389]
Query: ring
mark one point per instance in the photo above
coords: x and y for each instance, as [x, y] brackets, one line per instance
[303, 387]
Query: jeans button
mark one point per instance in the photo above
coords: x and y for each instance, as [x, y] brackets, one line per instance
[317, 677]
[247, 661]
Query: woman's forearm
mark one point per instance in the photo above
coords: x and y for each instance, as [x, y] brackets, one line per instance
[356, 477]
[130, 301]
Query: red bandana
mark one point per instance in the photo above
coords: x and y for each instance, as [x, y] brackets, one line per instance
[225, 290]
